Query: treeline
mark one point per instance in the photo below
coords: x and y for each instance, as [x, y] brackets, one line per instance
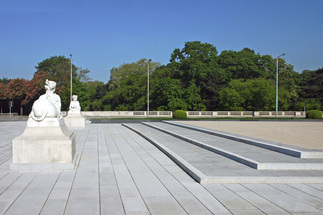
[196, 78]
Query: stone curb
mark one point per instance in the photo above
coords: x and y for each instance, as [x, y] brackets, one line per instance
[264, 180]
[249, 162]
[187, 167]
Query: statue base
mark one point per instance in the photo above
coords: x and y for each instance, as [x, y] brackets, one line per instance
[48, 144]
[75, 119]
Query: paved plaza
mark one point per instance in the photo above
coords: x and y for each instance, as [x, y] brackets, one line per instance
[121, 172]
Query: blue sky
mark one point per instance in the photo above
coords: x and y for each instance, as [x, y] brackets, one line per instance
[107, 33]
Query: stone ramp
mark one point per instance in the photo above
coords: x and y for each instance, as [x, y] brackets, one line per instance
[257, 157]
[274, 146]
[206, 166]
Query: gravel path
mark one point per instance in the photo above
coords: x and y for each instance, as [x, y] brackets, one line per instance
[301, 134]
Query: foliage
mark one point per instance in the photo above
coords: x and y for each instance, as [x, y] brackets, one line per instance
[196, 78]
[314, 114]
[97, 90]
[4, 80]
[127, 70]
[193, 66]
[16, 89]
[308, 104]
[36, 87]
[180, 114]
[246, 64]
[81, 89]
[82, 75]
[59, 70]
[249, 95]
[127, 88]
[311, 85]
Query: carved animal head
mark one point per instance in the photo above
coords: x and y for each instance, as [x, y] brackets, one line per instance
[50, 85]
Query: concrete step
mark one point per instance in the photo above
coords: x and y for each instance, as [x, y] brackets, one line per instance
[282, 148]
[253, 156]
[206, 166]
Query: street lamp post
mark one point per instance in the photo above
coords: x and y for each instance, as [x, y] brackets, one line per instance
[277, 83]
[148, 88]
[71, 75]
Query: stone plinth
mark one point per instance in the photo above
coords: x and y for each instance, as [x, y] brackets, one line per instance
[47, 144]
[75, 119]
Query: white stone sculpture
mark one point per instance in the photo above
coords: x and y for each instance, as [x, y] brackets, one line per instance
[74, 117]
[46, 143]
[75, 105]
[48, 105]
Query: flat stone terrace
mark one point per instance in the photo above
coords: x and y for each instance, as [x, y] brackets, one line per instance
[119, 172]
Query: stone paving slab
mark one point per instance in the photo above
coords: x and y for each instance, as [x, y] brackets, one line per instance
[119, 172]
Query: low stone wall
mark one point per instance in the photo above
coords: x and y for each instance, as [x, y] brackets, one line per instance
[191, 114]
[8, 114]
[126, 114]
[208, 114]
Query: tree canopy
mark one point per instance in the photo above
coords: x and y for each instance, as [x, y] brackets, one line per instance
[196, 78]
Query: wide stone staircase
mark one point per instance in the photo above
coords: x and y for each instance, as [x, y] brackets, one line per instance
[211, 156]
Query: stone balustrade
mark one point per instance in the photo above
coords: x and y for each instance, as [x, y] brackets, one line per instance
[191, 114]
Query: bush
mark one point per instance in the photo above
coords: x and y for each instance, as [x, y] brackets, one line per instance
[314, 114]
[180, 114]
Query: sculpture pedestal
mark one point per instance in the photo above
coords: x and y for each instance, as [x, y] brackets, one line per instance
[48, 144]
[75, 119]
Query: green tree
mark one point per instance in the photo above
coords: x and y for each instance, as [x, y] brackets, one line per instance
[193, 63]
[288, 86]
[230, 99]
[311, 88]
[58, 68]
[249, 95]
[127, 87]
[193, 66]
[246, 64]
[139, 68]
[83, 75]
[97, 90]
[167, 94]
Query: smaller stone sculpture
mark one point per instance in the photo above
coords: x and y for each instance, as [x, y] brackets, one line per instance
[75, 105]
[74, 117]
[48, 105]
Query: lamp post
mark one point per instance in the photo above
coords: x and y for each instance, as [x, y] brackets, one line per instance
[148, 88]
[277, 83]
[71, 75]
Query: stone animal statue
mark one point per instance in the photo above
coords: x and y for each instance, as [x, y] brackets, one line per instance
[48, 105]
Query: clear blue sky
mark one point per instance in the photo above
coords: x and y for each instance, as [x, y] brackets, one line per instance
[102, 34]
